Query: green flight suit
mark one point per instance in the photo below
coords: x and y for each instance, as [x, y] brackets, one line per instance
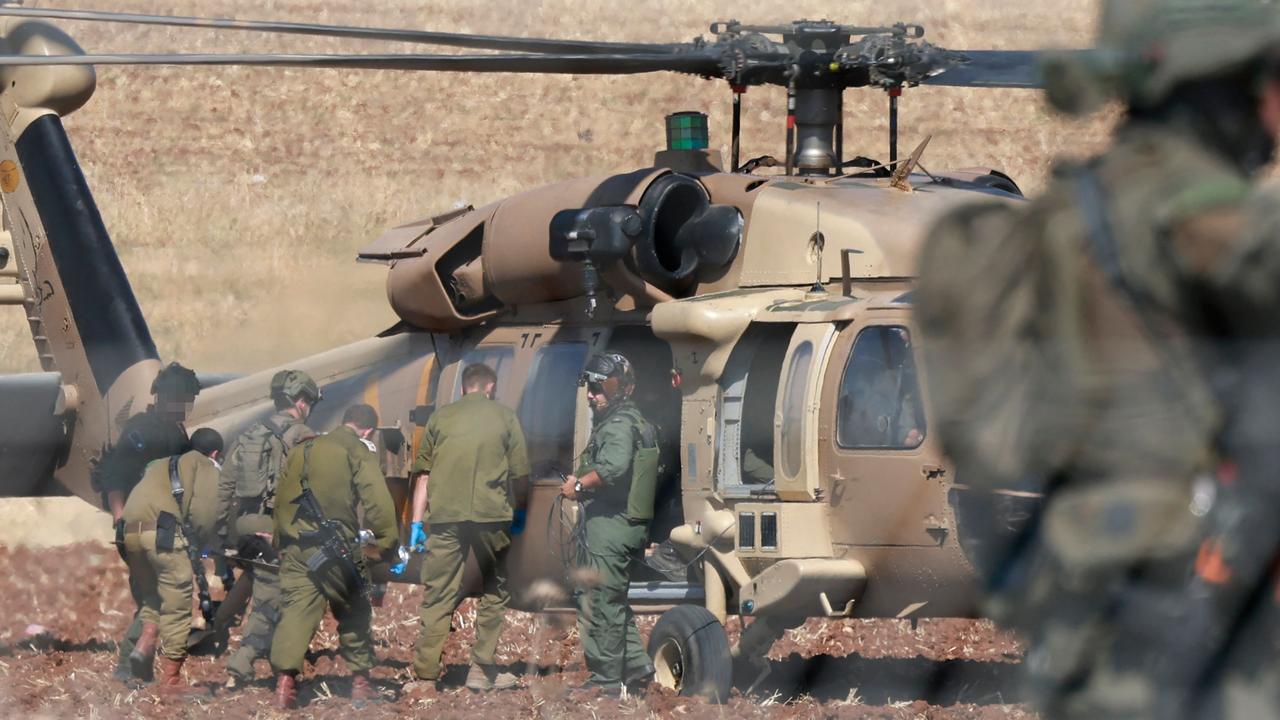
[606, 623]
[472, 451]
[1112, 545]
[248, 486]
[161, 581]
[144, 437]
[343, 475]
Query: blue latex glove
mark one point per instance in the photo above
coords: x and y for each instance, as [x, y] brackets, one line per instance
[417, 537]
[398, 568]
[517, 521]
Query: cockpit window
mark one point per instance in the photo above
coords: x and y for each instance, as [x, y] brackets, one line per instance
[879, 404]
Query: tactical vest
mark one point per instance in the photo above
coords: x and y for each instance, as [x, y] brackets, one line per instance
[637, 505]
[262, 455]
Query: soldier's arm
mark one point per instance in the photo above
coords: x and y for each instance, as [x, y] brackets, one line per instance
[420, 473]
[375, 498]
[227, 490]
[614, 445]
[517, 460]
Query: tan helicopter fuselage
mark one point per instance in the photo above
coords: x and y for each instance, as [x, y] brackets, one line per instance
[768, 318]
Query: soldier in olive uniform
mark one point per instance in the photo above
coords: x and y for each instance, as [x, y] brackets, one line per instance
[318, 569]
[154, 433]
[160, 571]
[616, 483]
[471, 462]
[248, 485]
[1150, 278]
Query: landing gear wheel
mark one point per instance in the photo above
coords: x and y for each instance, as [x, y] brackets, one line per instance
[690, 653]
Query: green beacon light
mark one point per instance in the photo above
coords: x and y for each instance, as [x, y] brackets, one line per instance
[687, 131]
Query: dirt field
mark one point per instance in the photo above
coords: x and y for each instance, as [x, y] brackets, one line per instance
[63, 608]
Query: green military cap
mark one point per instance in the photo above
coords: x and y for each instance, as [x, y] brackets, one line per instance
[1146, 48]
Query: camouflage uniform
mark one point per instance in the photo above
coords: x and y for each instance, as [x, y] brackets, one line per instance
[616, 530]
[343, 474]
[473, 450]
[161, 580]
[1154, 256]
[248, 487]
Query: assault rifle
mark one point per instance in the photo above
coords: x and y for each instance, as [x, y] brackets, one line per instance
[208, 608]
[332, 546]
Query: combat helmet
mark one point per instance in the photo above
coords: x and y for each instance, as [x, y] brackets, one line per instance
[288, 385]
[174, 380]
[1147, 48]
[603, 367]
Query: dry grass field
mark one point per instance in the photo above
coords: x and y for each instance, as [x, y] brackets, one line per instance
[237, 197]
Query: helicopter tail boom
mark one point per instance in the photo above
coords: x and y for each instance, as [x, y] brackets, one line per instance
[84, 318]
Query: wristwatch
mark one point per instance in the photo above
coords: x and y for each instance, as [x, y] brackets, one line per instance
[578, 488]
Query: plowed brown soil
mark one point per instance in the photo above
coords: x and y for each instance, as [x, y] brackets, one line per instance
[62, 610]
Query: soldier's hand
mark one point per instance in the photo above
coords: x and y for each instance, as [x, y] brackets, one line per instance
[568, 488]
[517, 520]
[417, 537]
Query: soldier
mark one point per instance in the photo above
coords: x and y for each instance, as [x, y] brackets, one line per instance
[321, 563]
[174, 506]
[471, 462]
[616, 482]
[1089, 346]
[154, 433]
[248, 486]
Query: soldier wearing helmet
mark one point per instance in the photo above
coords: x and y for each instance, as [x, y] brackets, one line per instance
[157, 432]
[616, 482]
[248, 485]
[1163, 257]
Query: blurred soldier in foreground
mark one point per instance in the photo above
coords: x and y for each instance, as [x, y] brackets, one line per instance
[325, 483]
[1112, 345]
[171, 516]
[471, 462]
[616, 482]
[254, 463]
[157, 432]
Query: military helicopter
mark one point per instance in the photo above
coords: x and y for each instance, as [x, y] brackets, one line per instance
[768, 315]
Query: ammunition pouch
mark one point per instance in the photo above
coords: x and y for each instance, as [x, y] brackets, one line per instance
[166, 531]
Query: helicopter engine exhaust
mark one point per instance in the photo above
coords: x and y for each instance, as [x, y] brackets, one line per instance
[650, 235]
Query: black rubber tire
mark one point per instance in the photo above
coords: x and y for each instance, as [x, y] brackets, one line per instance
[690, 652]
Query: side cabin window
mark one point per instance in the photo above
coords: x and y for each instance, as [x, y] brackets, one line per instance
[793, 408]
[549, 404]
[498, 357]
[879, 404]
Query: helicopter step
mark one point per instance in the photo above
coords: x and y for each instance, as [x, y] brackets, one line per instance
[665, 593]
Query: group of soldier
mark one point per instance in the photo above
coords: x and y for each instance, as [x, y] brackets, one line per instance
[300, 510]
[1144, 582]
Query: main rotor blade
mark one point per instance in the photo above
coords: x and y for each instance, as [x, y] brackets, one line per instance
[992, 69]
[479, 42]
[693, 63]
